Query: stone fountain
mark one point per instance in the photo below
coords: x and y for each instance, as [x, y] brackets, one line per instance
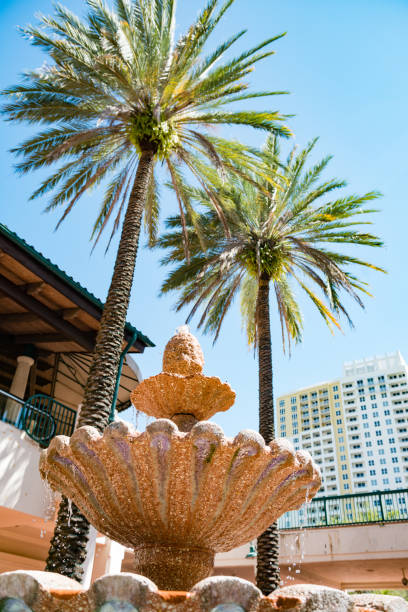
[181, 491]
[177, 494]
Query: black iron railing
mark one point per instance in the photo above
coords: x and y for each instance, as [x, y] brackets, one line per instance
[355, 509]
[41, 417]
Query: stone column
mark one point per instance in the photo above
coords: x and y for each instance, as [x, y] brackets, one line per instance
[116, 552]
[18, 386]
[90, 557]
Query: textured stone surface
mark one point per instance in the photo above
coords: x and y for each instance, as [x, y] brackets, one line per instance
[182, 388]
[316, 598]
[187, 490]
[165, 395]
[219, 590]
[40, 591]
[172, 567]
[13, 605]
[385, 603]
[183, 353]
[130, 593]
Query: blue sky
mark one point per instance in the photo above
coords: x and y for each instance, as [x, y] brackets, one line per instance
[344, 63]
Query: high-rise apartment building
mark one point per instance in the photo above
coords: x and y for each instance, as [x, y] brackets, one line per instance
[355, 427]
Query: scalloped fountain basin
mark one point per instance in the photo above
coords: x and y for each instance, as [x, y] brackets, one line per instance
[177, 498]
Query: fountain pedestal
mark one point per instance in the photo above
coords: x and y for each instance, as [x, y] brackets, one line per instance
[174, 568]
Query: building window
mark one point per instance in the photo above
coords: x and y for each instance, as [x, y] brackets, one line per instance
[372, 473]
[391, 440]
[282, 403]
[386, 481]
[371, 462]
[336, 396]
[370, 454]
[364, 417]
[293, 400]
[394, 459]
[384, 471]
[368, 444]
[380, 443]
[335, 388]
[367, 434]
[360, 382]
[363, 407]
[346, 486]
[337, 404]
[396, 470]
[382, 462]
[345, 476]
[373, 483]
[362, 399]
[294, 408]
[344, 467]
[373, 405]
[381, 378]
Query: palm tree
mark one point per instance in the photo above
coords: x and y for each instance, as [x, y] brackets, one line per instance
[281, 227]
[120, 93]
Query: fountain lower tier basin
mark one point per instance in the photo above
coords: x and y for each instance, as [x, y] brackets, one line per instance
[194, 493]
[31, 591]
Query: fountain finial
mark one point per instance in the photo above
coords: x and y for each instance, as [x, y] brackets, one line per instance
[183, 354]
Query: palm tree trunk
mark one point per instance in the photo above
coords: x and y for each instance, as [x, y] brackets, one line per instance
[267, 569]
[68, 546]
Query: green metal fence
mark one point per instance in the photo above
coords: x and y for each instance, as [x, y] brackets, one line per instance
[63, 416]
[41, 416]
[355, 509]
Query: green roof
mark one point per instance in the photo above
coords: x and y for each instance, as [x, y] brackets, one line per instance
[65, 277]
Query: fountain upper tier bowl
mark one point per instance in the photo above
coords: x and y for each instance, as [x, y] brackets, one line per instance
[177, 498]
[182, 392]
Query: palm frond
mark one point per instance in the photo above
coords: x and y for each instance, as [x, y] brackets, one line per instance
[277, 229]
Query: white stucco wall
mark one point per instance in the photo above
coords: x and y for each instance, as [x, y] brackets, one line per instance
[21, 487]
[359, 542]
[388, 541]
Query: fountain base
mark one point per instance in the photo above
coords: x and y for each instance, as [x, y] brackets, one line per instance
[174, 568]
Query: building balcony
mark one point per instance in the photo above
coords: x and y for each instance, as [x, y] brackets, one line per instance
[40, 417]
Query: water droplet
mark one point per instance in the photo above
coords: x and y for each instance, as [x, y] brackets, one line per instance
[69, 512]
